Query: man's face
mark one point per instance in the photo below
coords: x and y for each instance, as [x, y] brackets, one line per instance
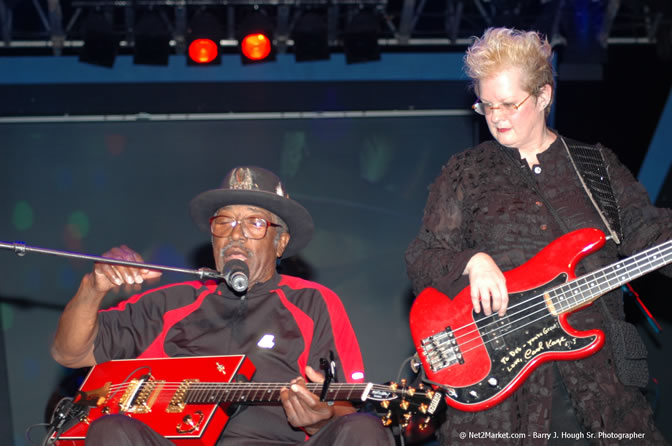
[259, 255]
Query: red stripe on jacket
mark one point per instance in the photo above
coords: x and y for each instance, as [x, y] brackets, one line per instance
[346, 343]
[305, 324]
[171, 317]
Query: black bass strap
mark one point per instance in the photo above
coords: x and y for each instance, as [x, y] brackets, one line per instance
[590, 166]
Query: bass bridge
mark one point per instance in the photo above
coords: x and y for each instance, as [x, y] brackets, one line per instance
[441, 350]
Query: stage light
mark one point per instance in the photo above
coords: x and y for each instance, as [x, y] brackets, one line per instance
[203, 51]
[360, 39]
[255, 37]
[203, 37]
[311, 39]
[100, 41]
[256, 47]
[151, 40]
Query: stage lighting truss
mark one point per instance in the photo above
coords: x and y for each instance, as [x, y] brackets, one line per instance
[55, 26]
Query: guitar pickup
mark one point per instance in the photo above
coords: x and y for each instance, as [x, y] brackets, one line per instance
[441, 350]
[178, 402]
[493, 333]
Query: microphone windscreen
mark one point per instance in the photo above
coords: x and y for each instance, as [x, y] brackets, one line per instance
[236, 274]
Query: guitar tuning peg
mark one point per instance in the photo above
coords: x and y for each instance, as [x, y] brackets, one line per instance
[403, 382]
[422, 408]
[385, 404]
[424, 424]
[404, 404]
[394, 386]
[407, 416]
[411, 391]
[430, 394]
[387, 419]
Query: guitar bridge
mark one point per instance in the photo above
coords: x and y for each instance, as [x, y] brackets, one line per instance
[140, 395]
[441, 350]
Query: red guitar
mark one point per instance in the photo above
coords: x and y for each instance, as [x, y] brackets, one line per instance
[480, 360]
[192, 411]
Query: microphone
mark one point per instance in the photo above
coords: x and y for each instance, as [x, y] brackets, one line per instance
[235, 274]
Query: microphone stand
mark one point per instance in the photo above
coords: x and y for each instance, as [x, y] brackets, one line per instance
[21, 249]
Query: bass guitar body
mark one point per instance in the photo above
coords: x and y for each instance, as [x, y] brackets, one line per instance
[480, 360]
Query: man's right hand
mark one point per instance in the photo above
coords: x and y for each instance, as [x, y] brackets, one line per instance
[78, 326]
[108, 276]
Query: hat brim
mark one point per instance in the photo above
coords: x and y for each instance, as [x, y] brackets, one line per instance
[299, 221]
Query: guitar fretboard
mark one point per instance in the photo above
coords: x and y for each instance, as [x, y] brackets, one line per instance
[586, 288]
[200, 393]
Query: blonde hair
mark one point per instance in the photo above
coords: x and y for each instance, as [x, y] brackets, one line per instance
[502, 48]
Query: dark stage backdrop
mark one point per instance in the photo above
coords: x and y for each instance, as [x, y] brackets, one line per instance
[86, 187]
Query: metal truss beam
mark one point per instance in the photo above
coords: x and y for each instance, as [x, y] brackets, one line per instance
[411, 24]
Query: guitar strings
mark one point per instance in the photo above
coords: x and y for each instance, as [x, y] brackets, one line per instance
[196, 388]
[616, 272]
[255, 385]
[237, 387]
[571, 286]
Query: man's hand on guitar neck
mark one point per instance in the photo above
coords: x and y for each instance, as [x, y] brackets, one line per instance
[488, 285]
[304, 409]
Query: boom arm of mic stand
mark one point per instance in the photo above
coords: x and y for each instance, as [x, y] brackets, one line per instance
[21, 249]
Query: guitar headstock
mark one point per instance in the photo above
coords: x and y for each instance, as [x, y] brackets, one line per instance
[399, 403]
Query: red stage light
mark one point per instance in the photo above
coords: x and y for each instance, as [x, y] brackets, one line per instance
[256, 46]
[203, 51]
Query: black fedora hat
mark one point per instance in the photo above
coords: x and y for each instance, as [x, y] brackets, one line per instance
[255, 186]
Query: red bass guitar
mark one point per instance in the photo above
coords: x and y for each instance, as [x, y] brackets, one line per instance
[480, 360]
[192, 411]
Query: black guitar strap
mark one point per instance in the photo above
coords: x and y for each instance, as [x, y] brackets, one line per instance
[591, 170]
[590, 166]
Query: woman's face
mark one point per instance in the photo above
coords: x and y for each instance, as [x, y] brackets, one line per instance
[515, 118]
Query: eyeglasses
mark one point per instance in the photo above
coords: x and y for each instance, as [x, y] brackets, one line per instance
[253, 228]
[483, 108]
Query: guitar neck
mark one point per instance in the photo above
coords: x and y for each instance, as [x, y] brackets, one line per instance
[203, 393]
[589, 287]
